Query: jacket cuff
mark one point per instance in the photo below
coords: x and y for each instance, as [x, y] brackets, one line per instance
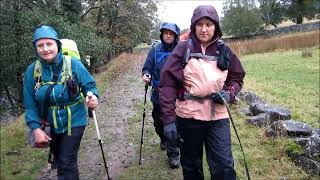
[145, 72]
[34, 125]
[167, 122]
[231, 93]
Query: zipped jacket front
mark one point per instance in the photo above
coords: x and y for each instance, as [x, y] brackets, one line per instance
[156, 58]
[34, 97]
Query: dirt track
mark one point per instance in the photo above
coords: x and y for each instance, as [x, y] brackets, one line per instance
[116, 106]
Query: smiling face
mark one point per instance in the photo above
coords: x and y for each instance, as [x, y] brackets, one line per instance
[47, 49]
[204, 30]
[168, 36]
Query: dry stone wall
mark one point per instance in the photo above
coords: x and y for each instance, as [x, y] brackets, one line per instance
[278, 122]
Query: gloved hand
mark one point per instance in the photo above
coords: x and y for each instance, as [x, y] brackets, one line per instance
[170, 132]
[216, 97]
[146, 78]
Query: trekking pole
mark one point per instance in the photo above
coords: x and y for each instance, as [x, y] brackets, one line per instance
[90, 94]
[235, 130]
[143, 116]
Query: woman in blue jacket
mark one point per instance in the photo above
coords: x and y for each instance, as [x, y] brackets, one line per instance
[53, 91]
[157, 57]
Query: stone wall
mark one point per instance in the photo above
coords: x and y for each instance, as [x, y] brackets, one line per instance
[277, 122]
[278, 31]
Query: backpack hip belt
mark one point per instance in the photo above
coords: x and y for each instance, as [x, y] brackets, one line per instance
[68, 107]
[188, 96]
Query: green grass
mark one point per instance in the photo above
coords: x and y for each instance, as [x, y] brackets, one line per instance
[18, 160]
[286, 79]
[281, 78]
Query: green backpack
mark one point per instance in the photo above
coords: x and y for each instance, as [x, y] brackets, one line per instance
[69, 48]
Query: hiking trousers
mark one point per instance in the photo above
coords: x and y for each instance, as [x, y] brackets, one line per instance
[66, 153]
[215, 136]
[172, 147]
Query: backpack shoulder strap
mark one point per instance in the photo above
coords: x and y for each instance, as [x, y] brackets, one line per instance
[220, 42]
[187, 53]
[37, 73]
[66, 68]
[224, 58]
[37, 70]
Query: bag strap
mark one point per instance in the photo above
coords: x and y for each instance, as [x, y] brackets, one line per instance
[203, 56]
[224, 58]
[223, 53]
[66, 72]
[49, 90]
[187, 53]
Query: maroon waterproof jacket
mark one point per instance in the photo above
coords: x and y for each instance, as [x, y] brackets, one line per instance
[171, 78]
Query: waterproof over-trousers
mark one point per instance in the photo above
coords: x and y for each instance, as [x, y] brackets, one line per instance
[67, 153]
[215, 135]
[172, 147]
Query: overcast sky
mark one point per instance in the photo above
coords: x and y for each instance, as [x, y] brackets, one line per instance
[180, 12]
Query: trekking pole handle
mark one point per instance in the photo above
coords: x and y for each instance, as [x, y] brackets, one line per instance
[90, 94]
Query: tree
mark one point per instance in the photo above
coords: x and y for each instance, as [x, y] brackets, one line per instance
[18, 20]
[272, 12]
[296, 10]
[71, 10]
[241, 17]
[155, 30]
[122, 24]
[126, 22]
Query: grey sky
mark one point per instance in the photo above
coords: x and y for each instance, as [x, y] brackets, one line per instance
[180, 12]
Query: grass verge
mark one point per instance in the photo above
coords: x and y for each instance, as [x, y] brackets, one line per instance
[282, 78]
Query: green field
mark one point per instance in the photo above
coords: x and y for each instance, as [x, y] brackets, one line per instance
[281, 78]
[286, 79]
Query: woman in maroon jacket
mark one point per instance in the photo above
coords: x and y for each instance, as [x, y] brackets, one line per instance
[198, 75]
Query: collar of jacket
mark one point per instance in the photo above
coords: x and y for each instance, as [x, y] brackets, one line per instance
[211, 49]
[53, 64]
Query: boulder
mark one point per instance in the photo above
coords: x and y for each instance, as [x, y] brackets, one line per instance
[308, 165]
[261, 120]
[275, 113]
[292, 128]
[250, 98]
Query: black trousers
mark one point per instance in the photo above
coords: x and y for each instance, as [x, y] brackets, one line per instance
[172, 147]
[215, 136]
[66, 153]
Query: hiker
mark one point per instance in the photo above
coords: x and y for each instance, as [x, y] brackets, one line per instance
[158, 54]
[189, 91]
[57, 97]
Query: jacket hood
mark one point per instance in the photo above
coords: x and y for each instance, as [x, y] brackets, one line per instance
[209, 12]
[170, 26]
[42, 32]
[174, 28]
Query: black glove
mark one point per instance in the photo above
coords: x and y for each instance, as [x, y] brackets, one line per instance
[217, 97]
[170, 132]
